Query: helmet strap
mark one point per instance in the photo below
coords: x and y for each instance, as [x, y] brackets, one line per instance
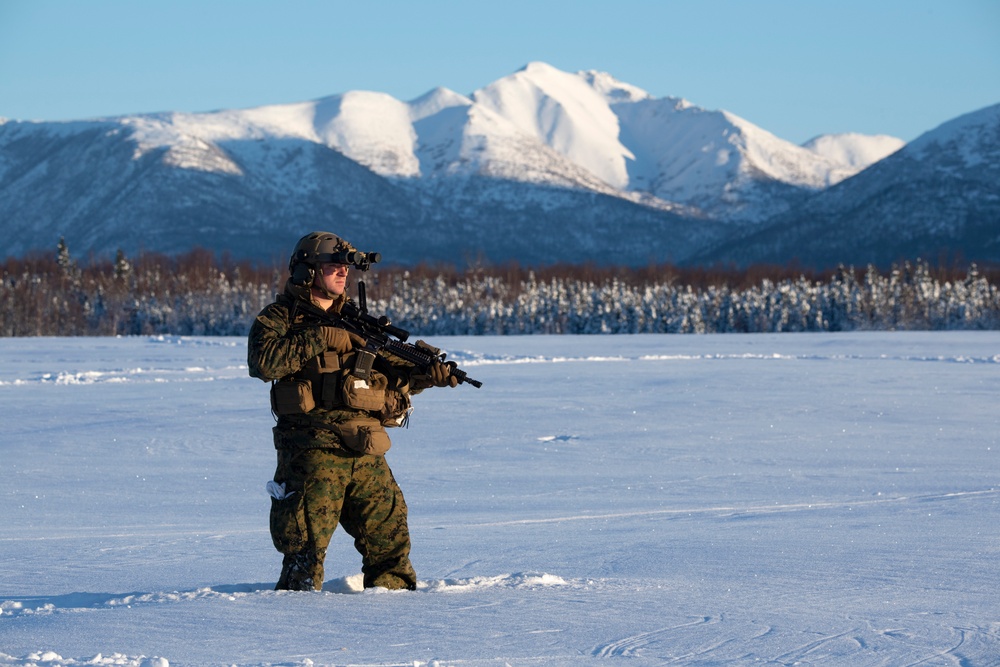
[322, 291]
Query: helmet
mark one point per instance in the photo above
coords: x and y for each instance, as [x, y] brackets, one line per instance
[323, 247]
[314, 249]
[319, 247]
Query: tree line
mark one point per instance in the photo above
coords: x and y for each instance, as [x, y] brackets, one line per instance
[199, 293]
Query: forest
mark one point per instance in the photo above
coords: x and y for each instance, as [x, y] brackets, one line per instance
[199, 293]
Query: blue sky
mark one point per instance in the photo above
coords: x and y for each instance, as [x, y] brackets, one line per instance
[797, 68]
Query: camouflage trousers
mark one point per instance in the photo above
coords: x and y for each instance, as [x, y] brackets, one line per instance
[328, 487]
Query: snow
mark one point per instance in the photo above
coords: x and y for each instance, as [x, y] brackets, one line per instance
[972, 138]
[854, 150]
[583, 130]
[564, 112]
[824, 499]
[612, 89]
[370, 128]
[436, 101]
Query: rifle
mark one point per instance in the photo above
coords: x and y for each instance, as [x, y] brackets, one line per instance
[382, 337]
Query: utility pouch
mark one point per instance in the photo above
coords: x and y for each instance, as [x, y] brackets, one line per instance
[288, 524]
[396, 410]
[292, 397]
[364, 394]
[327, 362]
[364, 435]
[323, 371]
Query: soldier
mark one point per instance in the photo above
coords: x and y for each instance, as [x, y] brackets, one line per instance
[330, 435]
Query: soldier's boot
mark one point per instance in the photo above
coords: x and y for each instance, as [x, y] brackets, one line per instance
[302, 571]
[394, 574]
[392, 582]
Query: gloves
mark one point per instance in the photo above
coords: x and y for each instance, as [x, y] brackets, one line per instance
[340, 340]
[441, 374]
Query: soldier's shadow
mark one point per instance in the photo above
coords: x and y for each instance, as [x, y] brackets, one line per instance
[19, 605]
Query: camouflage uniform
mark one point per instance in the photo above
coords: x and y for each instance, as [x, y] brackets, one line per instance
[327, 482]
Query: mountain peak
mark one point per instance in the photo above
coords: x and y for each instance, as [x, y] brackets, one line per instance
[536, 67]
[612, 89]
[564, 112]
[853, 149]
[434, 101]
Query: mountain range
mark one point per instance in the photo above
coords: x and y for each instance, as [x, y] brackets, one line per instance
[541, 166]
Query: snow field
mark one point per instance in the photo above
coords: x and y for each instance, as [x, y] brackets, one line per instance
[825, 499]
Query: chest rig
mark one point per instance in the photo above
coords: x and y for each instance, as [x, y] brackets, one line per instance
[331, 381]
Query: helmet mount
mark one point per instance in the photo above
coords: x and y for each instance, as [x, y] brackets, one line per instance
[318, 248]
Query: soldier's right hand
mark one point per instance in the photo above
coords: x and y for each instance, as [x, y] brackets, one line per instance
[340, 340]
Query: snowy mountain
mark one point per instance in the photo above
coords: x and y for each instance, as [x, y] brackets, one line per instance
[539, 166]
[146, 183]
[852, 149]
[543, 125]
[938, 198]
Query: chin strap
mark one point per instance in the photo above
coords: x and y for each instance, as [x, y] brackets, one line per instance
[324, 292]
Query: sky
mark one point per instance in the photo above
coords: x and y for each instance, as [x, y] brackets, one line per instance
[796, 68]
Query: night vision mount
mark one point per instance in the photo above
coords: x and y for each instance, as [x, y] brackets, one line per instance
[361, 261]
[303, 272]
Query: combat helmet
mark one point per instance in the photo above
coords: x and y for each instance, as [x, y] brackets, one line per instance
[314, 249]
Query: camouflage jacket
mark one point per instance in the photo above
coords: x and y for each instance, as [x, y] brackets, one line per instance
[284, 344]
[278, 346]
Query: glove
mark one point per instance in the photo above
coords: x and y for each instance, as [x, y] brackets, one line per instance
[340, 340]
[438, 375]
[441, 374]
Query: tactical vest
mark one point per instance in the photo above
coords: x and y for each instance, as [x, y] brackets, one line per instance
[326, 383]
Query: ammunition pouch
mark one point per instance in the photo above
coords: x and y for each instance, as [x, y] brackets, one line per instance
[325, 372]
[330, 382]
[292, 397]
[363, 394]
[364, 435]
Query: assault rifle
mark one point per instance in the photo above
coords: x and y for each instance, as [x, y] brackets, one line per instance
[382, 337]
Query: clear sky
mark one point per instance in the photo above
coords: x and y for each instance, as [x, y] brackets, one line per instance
[797, 68]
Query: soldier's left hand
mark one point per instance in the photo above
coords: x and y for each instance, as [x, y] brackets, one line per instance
[441, 374]
[340, 340]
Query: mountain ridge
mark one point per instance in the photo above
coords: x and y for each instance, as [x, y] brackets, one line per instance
[937, 199]
[539, 166]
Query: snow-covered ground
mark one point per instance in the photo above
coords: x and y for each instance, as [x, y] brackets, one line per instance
[635, 500]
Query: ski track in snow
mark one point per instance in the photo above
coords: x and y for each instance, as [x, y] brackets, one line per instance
[672, 644]
[676, 644]
[629, 646]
